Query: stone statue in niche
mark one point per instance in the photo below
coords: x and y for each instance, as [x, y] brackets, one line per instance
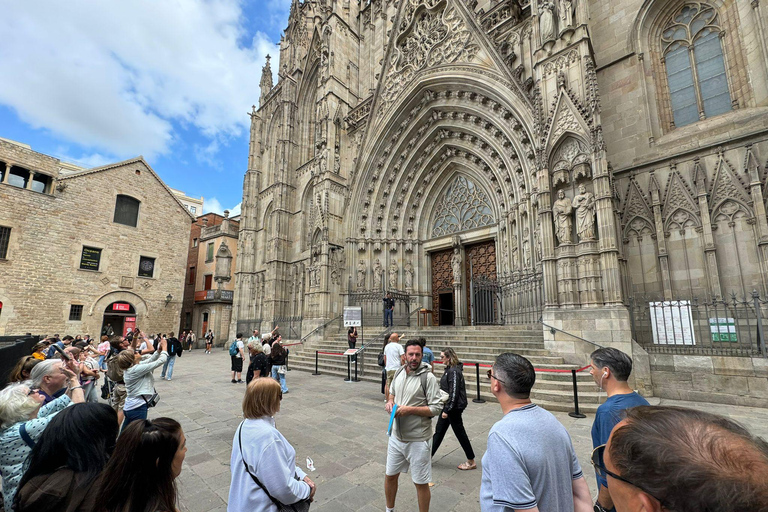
[456, 265]
[361, 274]
[526, 249]
[378, 272]
[547, 21]
[562, 210]
[566, 14]
[584, 204]
[408, 269]
[393, 276]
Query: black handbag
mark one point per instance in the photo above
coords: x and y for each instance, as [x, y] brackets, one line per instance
[153, 400]
[381, 359]
[299, 506]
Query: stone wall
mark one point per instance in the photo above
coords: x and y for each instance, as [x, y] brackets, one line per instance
[41, 277]
[724, 380]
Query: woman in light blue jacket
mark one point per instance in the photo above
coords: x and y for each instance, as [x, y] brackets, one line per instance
[139, 381]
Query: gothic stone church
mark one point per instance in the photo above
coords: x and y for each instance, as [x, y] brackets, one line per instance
[598, 166]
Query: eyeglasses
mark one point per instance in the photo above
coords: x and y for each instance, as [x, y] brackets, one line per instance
[598, 462]
[33, 391]
[490, 375]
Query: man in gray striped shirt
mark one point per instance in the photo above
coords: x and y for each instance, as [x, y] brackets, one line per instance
[530, 463]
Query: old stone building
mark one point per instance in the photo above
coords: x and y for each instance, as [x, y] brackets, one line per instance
[599, 166]
[209, 287]
[80, 248]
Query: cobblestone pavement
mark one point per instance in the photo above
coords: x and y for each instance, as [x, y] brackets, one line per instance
[342, 427]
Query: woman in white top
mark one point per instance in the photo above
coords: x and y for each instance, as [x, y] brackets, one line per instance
[139, 381]
[268, 456]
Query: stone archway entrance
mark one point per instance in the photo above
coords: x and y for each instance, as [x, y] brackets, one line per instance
[119, 317]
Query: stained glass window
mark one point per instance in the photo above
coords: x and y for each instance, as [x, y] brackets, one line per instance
[463, 206]
[693, 57]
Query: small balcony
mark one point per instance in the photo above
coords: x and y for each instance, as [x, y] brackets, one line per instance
[214, 296]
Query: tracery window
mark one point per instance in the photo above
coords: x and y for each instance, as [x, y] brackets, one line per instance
[463, 206]
[693, 57]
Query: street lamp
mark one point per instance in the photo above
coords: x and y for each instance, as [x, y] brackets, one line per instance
[168, 299]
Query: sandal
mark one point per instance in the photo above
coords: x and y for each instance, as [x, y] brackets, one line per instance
[466, 466]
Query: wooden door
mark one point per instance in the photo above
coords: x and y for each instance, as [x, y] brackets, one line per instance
[442, 282]
[479, 261]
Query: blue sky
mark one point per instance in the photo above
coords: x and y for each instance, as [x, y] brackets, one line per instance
[94, 82]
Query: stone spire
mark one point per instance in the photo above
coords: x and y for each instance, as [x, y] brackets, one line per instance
[266, 80]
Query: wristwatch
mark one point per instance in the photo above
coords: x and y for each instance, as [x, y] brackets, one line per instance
[600, 508]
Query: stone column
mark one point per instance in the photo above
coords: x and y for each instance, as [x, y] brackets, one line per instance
[29, 180]
[661, 240]
[608, 241]
[459, 294]
[710, 255]
[8, 167]
[548, 260]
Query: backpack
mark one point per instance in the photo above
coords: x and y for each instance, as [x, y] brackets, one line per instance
[233, 348]
[381, 361]
[114, 372]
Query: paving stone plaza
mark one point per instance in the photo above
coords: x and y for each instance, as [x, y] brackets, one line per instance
[341, 426]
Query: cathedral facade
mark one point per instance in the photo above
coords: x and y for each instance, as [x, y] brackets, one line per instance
[508, 161]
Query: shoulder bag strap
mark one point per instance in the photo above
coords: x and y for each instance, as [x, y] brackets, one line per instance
[242, 456]
[25, 435]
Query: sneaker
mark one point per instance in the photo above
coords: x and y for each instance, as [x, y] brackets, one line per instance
[234, 381]
[239, 381]
[286, 392]
[168, 379]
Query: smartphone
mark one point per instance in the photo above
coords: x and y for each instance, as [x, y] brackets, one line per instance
[63, 354]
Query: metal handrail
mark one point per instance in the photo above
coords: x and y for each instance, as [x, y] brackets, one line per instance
[313, 331]
[552, 329]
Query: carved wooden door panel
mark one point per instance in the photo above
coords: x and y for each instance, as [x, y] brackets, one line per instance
[479, 261]
[442, 281]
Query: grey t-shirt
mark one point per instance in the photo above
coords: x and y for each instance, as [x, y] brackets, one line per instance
[530, 462]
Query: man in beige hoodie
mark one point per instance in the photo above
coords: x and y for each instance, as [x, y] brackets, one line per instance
[418, 397]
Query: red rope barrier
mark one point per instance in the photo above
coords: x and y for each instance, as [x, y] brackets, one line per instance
[537, 369]
[292, 344]
[331, 353]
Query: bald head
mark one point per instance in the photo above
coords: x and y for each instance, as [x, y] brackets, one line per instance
[687, 460]
[394, 337]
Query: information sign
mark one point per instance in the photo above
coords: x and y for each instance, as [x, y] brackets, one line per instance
[353, 316]
[672, 323]
[90, 258]
[723, 329]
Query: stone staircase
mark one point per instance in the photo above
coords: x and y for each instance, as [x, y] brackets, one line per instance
[481, 344]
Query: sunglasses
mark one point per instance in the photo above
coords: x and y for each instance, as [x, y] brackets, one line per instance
[490, 375]
[33, 391]
[598, 462]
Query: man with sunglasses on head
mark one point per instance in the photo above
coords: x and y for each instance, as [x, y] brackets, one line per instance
[663, 458]
[530, 463]
[610, 369]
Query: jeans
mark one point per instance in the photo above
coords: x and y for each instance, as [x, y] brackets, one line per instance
[279, 377]
[388, 317]
[139, 413]
[90, 391]
[168, 365]
[457, 424]
[102, 364]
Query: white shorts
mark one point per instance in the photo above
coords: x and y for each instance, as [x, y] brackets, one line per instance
[416, 455]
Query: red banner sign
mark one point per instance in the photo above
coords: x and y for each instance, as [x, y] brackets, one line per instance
[121, 307]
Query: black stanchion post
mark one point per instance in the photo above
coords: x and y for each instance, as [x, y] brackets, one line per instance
[349, 370]
[356, 379]
[478, 400]
[316, 372]
[576, 413]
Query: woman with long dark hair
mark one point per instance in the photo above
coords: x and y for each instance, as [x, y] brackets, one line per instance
[141, 475]
[452, 382]
[278, 357]
[67, 459]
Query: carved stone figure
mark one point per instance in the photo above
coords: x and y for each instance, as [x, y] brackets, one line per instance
[566, 14]
[361, 274]
[584, 203]
[561, 211]
[393, 275]
[408, 269]
[547, 21]
[526, 249]
[456, 265]
[378, 272]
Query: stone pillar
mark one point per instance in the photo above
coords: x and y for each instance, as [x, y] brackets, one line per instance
[548, 261]
[607, 239]
[8, 167]
[29, 180]
[459, 295]
[710, 255]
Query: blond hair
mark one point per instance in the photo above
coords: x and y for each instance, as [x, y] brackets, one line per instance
[262, 398]
[126, 358]
[256, 346]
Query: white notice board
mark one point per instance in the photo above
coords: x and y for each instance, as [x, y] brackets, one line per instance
[353, 316]
[672, 323]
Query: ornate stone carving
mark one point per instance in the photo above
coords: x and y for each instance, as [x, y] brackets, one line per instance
[429, 34]
[456, 265]
[408, 271]
[526, 249]
[561, 213]
[393, 275]
[547, 21]
[361, 270]
[565, 8]
[584, 203]
[464, 206]
[378, 273]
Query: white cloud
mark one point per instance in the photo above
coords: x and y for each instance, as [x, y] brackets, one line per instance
[115, 76]
[213, 205]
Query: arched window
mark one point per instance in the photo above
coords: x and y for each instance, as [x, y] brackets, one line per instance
[463, 206]
[126, 210]
[693, 57]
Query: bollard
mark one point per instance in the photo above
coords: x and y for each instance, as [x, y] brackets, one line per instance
[349, 370]
[478, 400]
[576, 413]
[356, 379]
[316, 372]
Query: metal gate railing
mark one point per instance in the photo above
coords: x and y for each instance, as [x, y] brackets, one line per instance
[485, 297]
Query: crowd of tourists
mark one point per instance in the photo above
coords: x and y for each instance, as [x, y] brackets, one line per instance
[61, 449]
